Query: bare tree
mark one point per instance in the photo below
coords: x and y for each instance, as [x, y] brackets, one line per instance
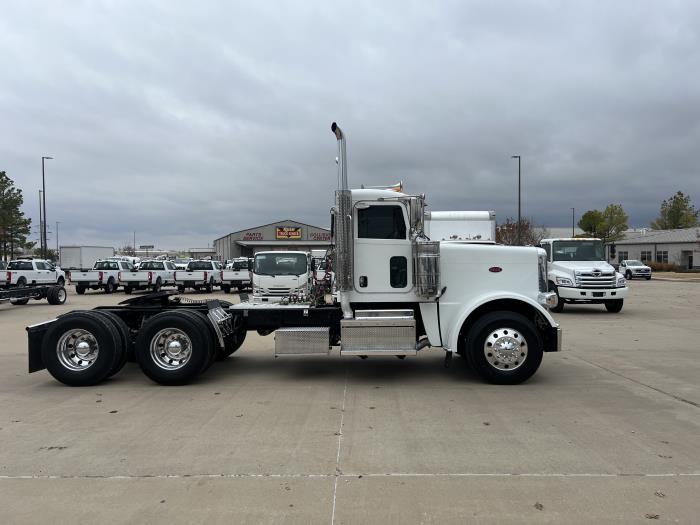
[532, 234]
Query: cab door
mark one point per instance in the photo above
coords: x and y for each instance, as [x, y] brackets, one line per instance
[42, 274]
[382, 248]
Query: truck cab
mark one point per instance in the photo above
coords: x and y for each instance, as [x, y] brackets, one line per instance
[579, 274]
[31, 272]
[280, 274]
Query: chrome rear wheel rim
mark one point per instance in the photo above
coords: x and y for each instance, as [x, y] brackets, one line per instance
[77, 350]
[171, 349]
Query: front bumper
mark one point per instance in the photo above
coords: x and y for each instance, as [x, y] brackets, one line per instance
[592, 294]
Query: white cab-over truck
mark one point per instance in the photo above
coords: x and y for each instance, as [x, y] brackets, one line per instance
[199, 275]
[399, 294]
[578, 274]
[151, 275]
[280, 274]
[103, 276]
[236, 275]
[32, 272]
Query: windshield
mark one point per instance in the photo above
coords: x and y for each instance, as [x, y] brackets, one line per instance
[151, 265]
[106, 265]
[20, 265]
[199, 265]
[578, 251]
[239, 265]
[280, 264]
[634, 263]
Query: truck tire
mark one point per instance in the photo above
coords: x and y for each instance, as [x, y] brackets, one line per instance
[504, 348]
[560, 304]
[126, 347]
[127, 290]
[172, 348]
[80, 290]
[209, 286]
[21, 282]
[231, 344]
[180, 288]
[206, 327]
[56, 295]
[628, 275]
[226, 288]
[648, 278]
[80, 349]
[61, 281]
[614, 306]
[158, 285]
[109, 287]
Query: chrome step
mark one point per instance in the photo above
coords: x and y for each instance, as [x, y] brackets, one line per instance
[379, 332]
[302, 340]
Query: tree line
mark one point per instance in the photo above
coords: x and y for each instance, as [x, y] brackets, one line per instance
[14, 226]
[608, 224]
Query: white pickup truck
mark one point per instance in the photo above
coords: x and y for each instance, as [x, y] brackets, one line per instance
[236, 275]
[151, 275]
[631, 268]
[104, 275]
[578, 273]
[31, 272]
[199, 275]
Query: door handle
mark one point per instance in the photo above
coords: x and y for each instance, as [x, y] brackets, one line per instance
[363, 281]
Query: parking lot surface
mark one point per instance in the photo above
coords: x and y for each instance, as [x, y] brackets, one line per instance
[607, 431]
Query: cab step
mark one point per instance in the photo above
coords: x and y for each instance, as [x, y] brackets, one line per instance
[379, 332]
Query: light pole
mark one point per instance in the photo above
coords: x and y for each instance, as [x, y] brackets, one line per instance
[573, 233]
[519, 232]
[43, 187]
[57, 223]
[41, 226]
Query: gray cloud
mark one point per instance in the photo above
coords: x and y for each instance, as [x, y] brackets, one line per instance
[186, 121]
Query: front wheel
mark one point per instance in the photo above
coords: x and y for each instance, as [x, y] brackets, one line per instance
[56, 295]
[648, 278]
[628, 275]
[504, 348]
[61, 282]
[614, 306]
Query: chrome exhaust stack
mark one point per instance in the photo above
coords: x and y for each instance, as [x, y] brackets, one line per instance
[343, 227]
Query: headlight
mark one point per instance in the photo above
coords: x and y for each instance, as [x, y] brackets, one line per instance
[564, 281]
[621, 282]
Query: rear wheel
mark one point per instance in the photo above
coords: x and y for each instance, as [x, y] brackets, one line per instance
[172, 348]
[628, 275]
[560, 304]
[56, 295]
[614, 306]
[210, 286]
[21, 282]
[158, 285]
[80, 290]
[504, 348]
[81, 349]
[127, 290]
[226, 288]
[126, 347]
[181, 288]
[109, 287]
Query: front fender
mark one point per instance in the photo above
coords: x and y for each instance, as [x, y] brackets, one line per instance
[458, 320]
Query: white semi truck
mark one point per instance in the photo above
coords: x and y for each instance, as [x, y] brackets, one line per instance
[399, 294]
[578, 274]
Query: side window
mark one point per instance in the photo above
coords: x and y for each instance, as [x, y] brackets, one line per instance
[41, 265]
[381, 222]
[398, 272]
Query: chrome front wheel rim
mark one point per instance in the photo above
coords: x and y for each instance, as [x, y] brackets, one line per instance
[505, 349]
[171, 349]
[77, 350]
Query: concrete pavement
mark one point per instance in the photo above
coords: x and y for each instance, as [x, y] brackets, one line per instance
[607, 431]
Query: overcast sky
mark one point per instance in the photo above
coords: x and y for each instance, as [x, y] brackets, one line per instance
[185, 121]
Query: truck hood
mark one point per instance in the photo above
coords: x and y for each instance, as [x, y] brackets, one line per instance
[582, 266]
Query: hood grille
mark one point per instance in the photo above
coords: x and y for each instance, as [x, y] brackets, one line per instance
[595, 279]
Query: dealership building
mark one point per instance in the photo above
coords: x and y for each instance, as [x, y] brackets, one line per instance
[281, 235]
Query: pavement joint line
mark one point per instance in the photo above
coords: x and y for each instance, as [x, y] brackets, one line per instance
[364, 475]
[677, 398]
[340, 441]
